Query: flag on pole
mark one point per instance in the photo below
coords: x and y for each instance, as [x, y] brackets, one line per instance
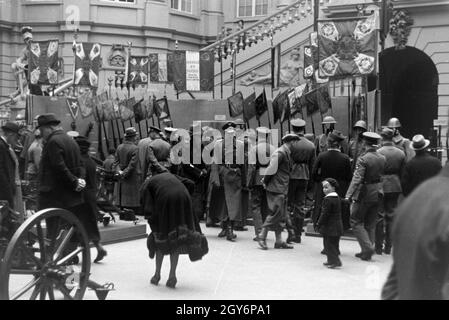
[139, 111]
[43, 62]
[161, 67]
[276, 66]
[126, 113]
[236, 105]
[281, 110]
[161, 108]
[193, 71]
[74, 107]
[149, 108]
[347, 47]
[309, 63]
[86, 102]
[261, 105]
[137, 70]
[249, 107]
[87, 64]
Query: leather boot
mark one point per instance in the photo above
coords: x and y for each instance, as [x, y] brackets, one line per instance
[230, 234]
[291, 236]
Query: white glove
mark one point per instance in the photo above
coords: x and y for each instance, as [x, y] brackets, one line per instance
[81, 185]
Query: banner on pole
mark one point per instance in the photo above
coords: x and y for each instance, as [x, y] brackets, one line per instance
[87, 64]
[43, 62]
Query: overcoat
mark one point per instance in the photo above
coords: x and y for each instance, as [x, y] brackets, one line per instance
[60, 169]
[421, 168]
[7, 177]
[330, 223]
[128, 189]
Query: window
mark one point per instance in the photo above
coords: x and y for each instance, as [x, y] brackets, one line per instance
[251, 8]
[182, 5]
[125, 1]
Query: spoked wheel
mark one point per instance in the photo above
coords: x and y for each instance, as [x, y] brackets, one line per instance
[47, 258]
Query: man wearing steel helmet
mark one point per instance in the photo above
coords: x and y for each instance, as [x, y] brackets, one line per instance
[356, 144]
[399, 141]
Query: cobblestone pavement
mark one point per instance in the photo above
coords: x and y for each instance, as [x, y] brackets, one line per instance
[241, 271]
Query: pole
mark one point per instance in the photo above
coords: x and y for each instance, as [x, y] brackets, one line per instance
[349, 108]
[221, 75]
[112, 121]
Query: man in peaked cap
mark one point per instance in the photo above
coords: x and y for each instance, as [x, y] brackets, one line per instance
[391, 184]
[143, 146]
[365, 194]
[228, 177]
[259, 159]
[276, 182]
[303, 157]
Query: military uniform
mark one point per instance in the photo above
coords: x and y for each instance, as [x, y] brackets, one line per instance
[303, 157]
[355, 150]
[391, 183]
[259, 205]
[365, 191]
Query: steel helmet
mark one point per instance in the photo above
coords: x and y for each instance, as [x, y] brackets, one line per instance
[361, 124]
[394, 123]
[329, 120]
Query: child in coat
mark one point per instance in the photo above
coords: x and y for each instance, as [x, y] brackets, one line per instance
[330, 224]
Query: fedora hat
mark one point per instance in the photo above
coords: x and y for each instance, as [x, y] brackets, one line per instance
[419, 142]
[47, 120]
[336, 136]
[11, 127]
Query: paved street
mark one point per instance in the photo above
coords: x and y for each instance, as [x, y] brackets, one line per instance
[242, 271]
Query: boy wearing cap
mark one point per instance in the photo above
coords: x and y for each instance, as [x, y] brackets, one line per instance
[10, 185]
[391, 184]
[365, 193]
[128, 189]
[421, 168]
[276, 182]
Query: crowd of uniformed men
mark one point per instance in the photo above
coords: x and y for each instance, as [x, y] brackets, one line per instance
[281, 188]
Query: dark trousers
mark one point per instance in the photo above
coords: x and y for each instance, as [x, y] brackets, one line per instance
[297, 192]
[385, 221]
[259, 207]
[363, 221]
[331, 245]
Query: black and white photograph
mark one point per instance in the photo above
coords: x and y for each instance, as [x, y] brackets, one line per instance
[224, 156]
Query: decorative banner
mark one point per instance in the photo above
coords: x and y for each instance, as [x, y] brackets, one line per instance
[193, 71]
[281, 110]
[309, 62]
[87, 64]
[161, 67]
[140, 112]
[138, 70]
[318, 100]
[261, 105]
[276, 66]
[74, 107]
[249, 107]
[236, 105]
[86, 103]
[347, 47]
[149, 108]
[126, 114]
[43, 62]
[161, 109]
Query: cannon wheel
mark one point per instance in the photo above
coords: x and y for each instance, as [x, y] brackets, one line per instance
[39, 263]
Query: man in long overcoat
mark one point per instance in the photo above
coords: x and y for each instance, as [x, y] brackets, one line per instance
[128, 189]
[10, 189]
[421, 168]
[228, 175]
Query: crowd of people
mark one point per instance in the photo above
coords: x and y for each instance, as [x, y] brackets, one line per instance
[340, 184]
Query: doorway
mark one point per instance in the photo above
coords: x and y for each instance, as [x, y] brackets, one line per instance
[409, 83]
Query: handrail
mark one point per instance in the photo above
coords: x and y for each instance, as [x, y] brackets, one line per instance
[296, 5]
